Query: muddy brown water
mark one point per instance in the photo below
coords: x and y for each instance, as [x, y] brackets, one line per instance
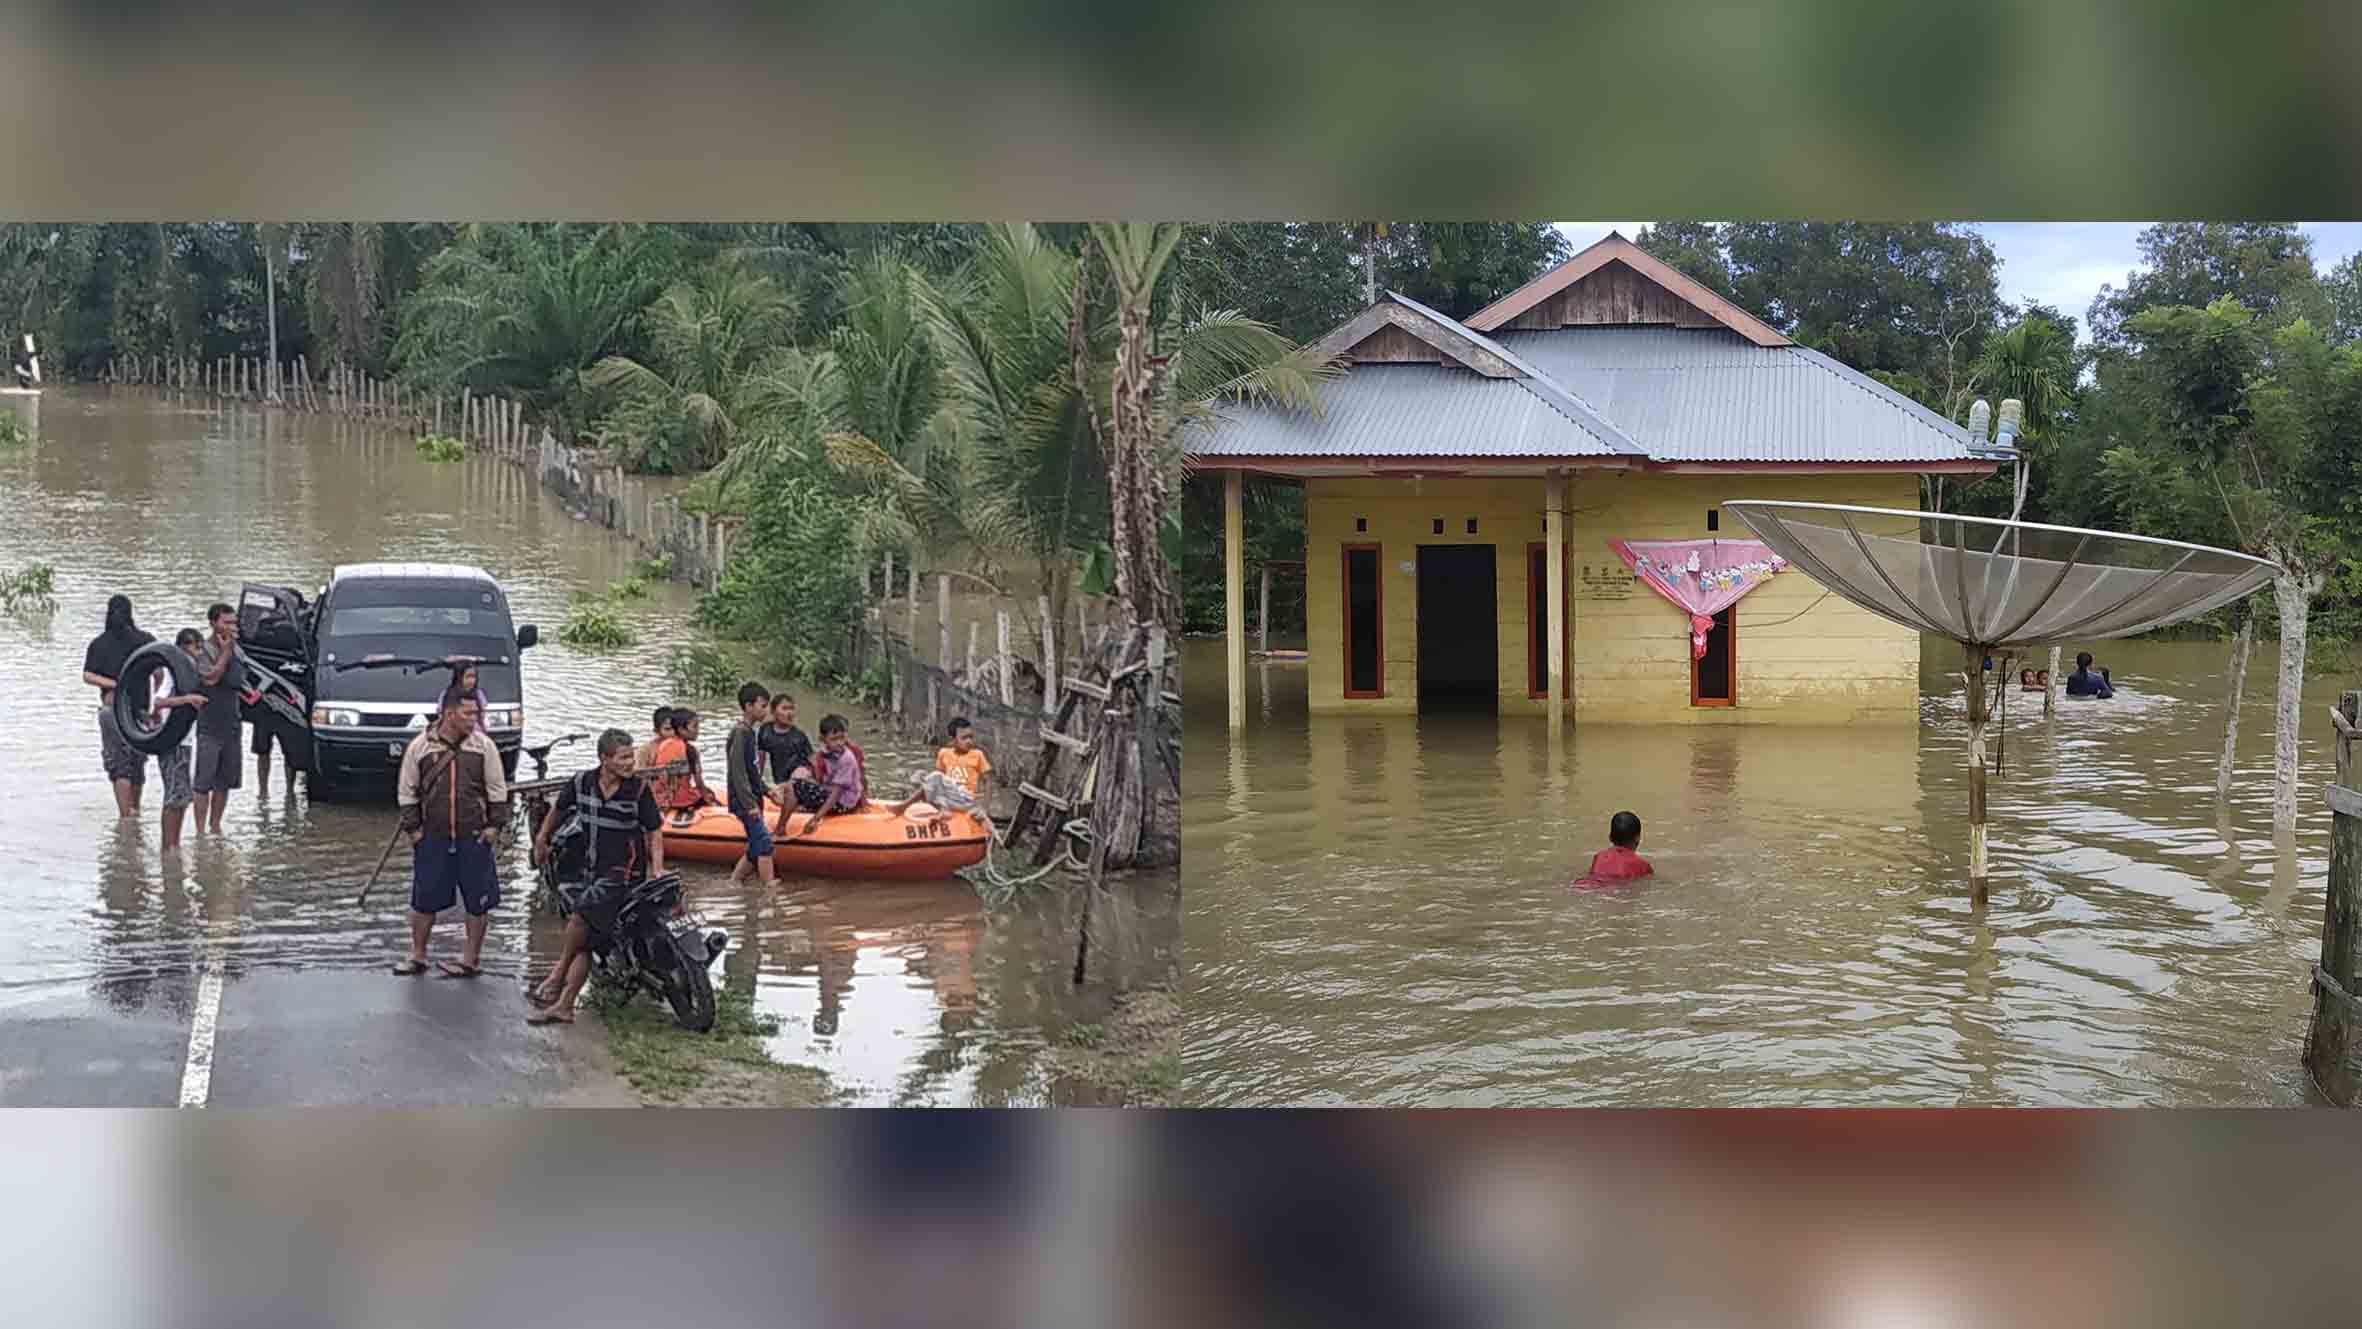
[907, 993]
[1379, 911]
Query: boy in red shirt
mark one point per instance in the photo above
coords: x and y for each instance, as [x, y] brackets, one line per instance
[1621, 860]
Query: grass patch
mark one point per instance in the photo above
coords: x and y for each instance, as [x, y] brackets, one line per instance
[630, 588]
[596, 626]
[659, 568]
[1133, 1059]
[702, 669]
[12, 432]
[441, 447]
[727, 1067]
[33, 588]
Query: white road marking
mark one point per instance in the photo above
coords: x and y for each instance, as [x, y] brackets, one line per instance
[196, 1077]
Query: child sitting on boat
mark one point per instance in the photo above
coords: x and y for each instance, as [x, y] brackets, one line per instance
[959, 779]
[839, 770]
[1621, 860]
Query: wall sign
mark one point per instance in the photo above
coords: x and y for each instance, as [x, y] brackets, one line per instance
[1406, 567]
[1603, 581]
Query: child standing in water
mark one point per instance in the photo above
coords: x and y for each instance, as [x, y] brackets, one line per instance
[1621, 860]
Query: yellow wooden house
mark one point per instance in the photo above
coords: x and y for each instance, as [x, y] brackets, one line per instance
[1463, 480]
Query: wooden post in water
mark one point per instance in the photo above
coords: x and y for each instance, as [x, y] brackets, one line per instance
[1975, 674]
[910, 633]
[2329, 1039]
[1234, 596]
[973, 628]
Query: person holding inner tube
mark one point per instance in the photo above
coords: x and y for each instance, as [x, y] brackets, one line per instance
[102, 665]
[454, 801]
[173, 762]
[219, 763]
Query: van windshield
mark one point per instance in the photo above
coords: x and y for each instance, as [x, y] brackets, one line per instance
[415, 619]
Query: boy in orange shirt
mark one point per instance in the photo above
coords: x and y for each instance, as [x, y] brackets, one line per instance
[961, 776]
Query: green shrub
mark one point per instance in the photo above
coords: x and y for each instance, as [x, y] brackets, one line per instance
[702, 669]
[630, 588]
[33, 588]
[12, 433]
[595, 626]
[441, 447]
[792, 578]
[659, 568]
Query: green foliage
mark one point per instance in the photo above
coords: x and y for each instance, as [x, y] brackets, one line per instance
[2267, 267]
[33, 587]
[441, 447]
[12, 432]
[790, 577]
[659, 568]
[698, 388]
[594, 625]
[702, 669]
[630, 588]
[725, 1065]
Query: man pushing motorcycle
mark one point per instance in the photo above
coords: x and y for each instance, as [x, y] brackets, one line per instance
[626, 845]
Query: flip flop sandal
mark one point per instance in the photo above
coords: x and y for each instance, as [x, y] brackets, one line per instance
[539, 999]
[409, 969]
[548, 1017]
[455, 970]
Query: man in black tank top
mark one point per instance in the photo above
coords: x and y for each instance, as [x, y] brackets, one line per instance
[626, 845]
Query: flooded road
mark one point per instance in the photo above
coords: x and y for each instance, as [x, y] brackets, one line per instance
[901, 994]
[1378, 908]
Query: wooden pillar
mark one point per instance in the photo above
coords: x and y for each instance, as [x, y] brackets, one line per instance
[2051, 685]
[1975, 674]
[910, 633]
[1554, 587]
[2329, 1038]
[1234, 595]
[973, 628]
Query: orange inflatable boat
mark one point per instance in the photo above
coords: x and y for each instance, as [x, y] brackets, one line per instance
[870, 842]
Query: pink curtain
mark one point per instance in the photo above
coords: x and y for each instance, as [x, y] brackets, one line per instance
[1704, 577]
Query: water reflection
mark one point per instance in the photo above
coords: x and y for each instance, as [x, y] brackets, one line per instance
[1379, 913]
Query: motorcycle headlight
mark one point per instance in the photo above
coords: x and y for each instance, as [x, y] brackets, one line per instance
[504, 717]
[334, 717]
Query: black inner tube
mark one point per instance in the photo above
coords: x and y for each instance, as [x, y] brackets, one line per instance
[132, 698]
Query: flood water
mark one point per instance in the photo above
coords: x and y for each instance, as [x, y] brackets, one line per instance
[1379, 910]
[902, 994]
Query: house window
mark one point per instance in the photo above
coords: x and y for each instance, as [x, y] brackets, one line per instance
[1361, 523]
[1713, 519]
[1472, 525]
[1365, 608]
[1714, 676]
[1439, 526]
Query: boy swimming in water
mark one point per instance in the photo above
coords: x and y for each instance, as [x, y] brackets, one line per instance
[1621, 860]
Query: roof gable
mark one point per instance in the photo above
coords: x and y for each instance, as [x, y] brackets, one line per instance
[1394, 331]
[1632, 286]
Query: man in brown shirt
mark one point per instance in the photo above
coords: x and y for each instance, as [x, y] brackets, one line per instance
[454, 801]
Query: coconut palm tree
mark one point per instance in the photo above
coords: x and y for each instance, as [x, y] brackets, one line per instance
[528, 310]
[684, 407]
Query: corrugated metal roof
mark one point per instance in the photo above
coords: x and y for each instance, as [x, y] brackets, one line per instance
[1711, 395]
[1566, 401]
[1407, 410]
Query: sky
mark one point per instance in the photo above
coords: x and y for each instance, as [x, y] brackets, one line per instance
[2061, 264]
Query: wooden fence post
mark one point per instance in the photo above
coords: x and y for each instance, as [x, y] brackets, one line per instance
[1008, 698]
[943, 621]
[973, 628]
[911, 619]
[1263, 614]
[1049, 658]
[2329, 1039]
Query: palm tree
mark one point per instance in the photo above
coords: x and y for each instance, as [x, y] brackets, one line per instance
[683, 409]
[527, 310]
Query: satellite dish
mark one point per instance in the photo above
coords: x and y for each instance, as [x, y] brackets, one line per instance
[1995, 585]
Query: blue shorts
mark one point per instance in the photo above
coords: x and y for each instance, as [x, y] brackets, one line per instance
[758, 836]
[445, 872]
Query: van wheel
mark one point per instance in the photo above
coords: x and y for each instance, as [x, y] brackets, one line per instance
[132, 698]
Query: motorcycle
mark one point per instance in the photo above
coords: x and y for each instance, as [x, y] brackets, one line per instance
[658, 945]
